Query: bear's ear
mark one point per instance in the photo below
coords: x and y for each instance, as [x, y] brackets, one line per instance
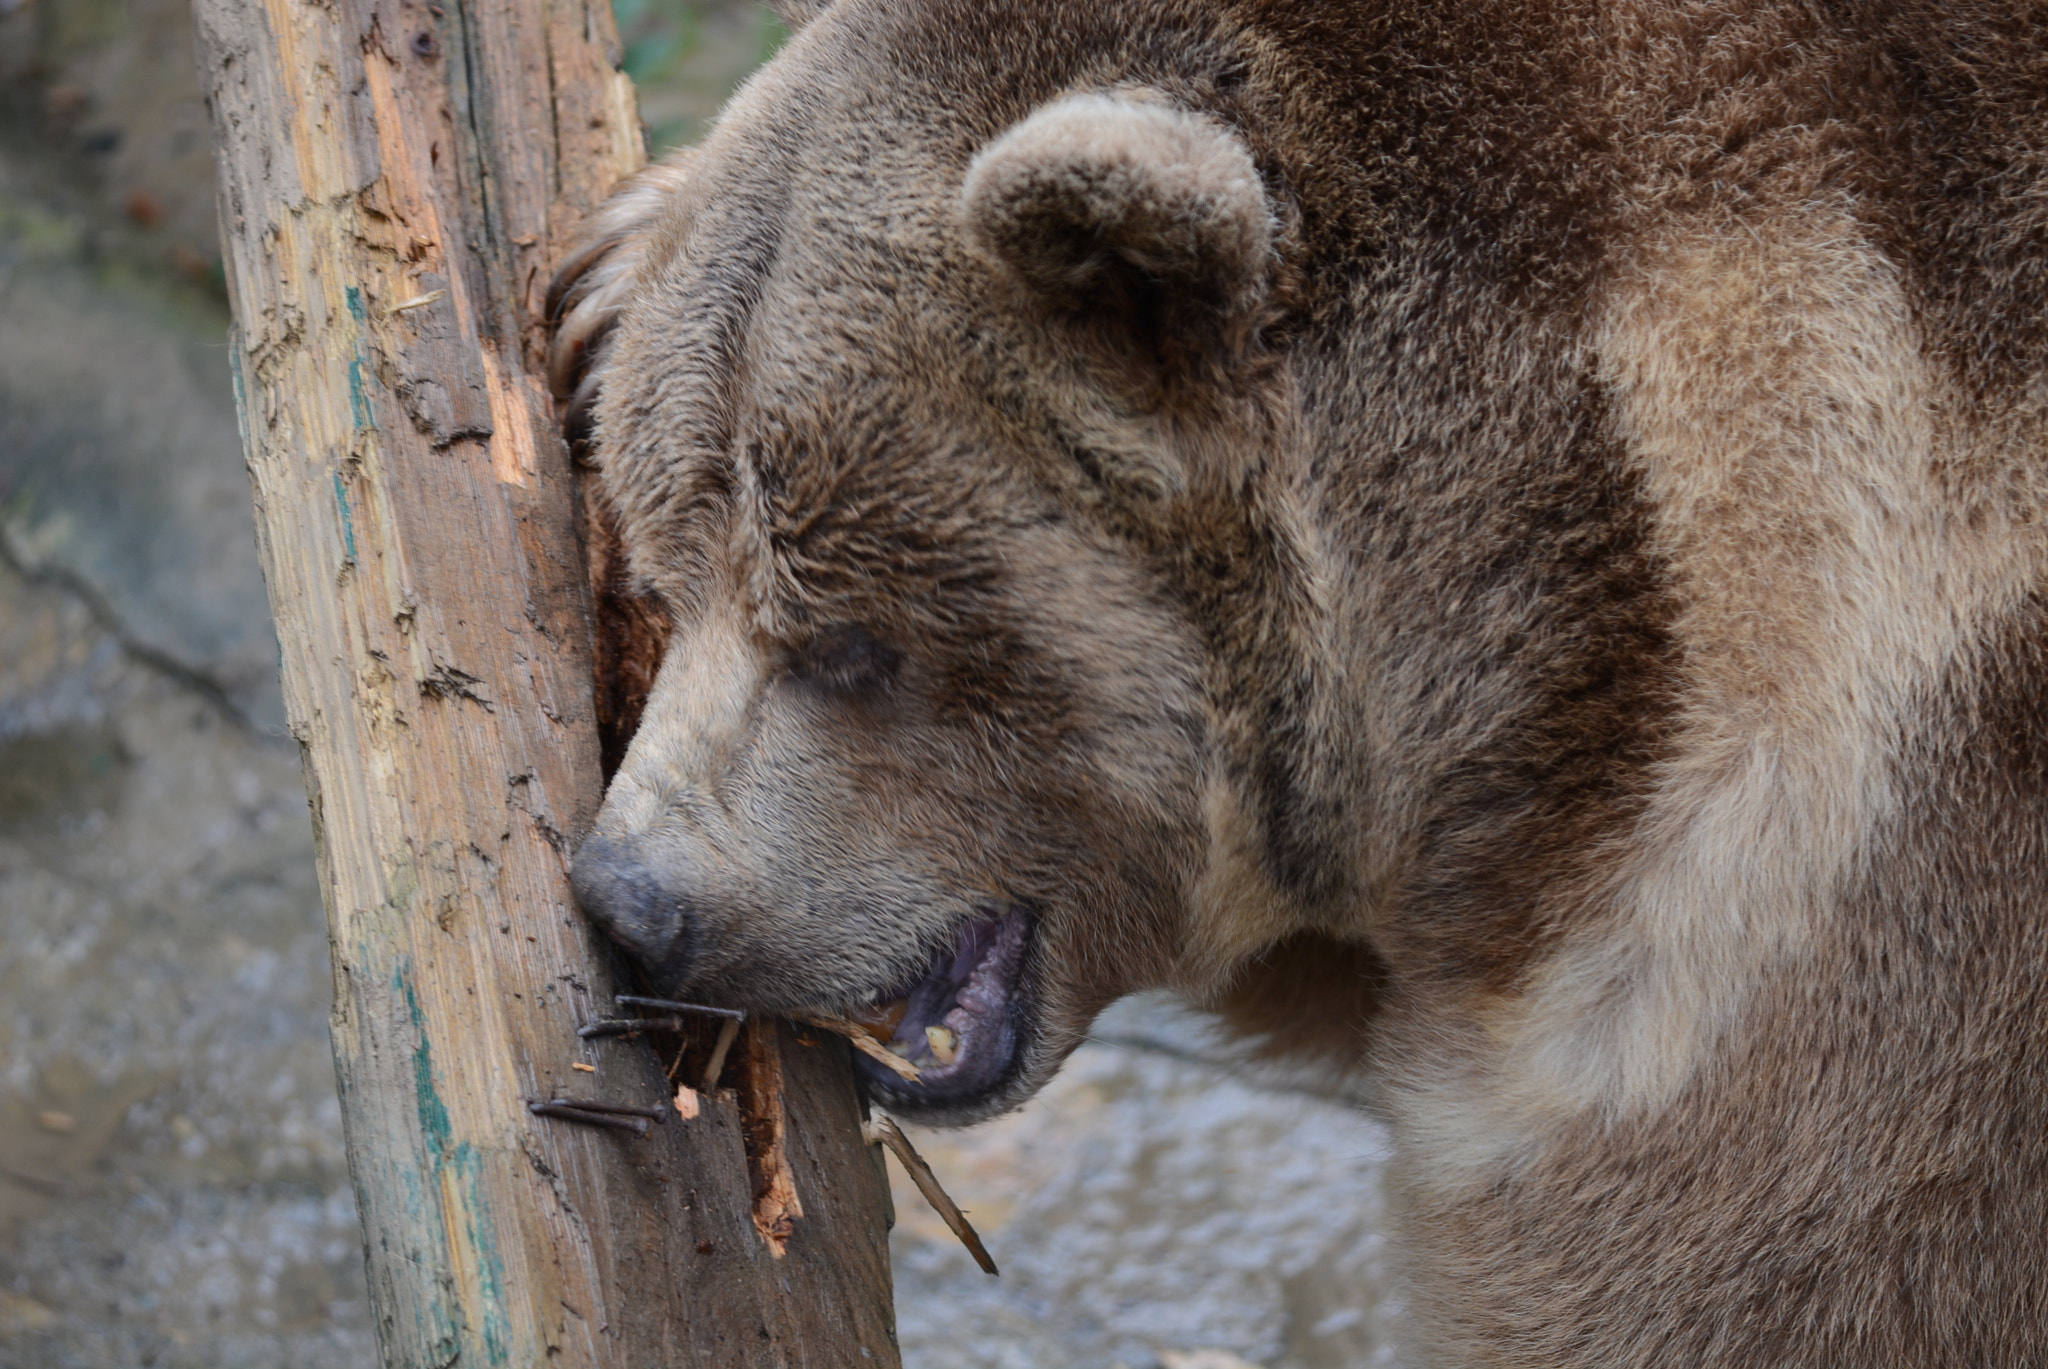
[1095, 196]
[594, 283]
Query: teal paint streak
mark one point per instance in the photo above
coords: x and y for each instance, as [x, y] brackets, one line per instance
[348, 535]
[437, 1311]
[433, 1112]
[358, 397]
[466, 1162]
[490, 1266]
[358, 392]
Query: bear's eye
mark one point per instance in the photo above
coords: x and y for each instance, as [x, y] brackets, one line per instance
[846, 659]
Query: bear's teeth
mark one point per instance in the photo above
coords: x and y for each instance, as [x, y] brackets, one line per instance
[945, 1046]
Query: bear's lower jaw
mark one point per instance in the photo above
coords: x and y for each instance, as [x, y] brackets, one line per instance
[963, 1022]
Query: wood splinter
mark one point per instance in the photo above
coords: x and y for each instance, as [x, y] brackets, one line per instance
[716, 1067]
[883, 1129]
[866, 1042]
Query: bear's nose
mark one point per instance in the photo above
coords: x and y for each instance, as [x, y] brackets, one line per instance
[625, 898]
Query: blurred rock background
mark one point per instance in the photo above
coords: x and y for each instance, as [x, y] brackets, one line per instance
[173, 1190]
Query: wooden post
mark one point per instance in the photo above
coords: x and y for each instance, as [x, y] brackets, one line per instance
[397, 178]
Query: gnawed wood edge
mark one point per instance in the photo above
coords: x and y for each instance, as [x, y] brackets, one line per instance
[764, 1126]
[631, 629]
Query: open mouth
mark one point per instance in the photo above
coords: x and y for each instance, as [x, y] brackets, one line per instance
[961, 1021]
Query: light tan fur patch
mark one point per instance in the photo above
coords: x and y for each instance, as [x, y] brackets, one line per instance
[695, 715]
[1772, 390]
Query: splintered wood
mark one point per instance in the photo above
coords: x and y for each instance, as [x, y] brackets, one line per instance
[776, 1206]
[867, 1043]
[883, 1129]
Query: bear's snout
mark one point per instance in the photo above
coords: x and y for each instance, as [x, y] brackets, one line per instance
[618, 891]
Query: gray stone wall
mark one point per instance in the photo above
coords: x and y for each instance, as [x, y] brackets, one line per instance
[172, 1185]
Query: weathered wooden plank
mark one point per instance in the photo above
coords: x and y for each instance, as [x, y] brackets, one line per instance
[397, 179]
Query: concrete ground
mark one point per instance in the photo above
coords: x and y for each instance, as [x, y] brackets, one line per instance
[173, 1190]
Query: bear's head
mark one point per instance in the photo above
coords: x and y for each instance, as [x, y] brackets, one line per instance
[936, 397]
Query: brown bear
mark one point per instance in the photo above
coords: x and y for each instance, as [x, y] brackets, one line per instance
[1498, 545]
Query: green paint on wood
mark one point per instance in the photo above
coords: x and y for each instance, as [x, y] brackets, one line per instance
[359, 400]
[433, 1112]
[439, 1320]
[358, 391]
[490, 1266]
[466, 1164]
[348, 519]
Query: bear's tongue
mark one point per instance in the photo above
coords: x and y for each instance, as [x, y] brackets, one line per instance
[955, 1023]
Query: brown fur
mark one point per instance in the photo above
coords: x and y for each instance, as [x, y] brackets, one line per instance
[1497, 545]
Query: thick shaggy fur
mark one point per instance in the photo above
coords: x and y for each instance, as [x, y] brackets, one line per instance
[1499, 545]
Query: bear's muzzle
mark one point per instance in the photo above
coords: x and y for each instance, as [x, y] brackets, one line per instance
[625, 898]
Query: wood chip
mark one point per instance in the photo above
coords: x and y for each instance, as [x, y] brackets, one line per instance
[883, 1129]
[421, 302]
[587, 1069]
[687, 1105]
[866, 1043]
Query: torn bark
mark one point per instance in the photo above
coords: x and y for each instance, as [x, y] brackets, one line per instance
[396, 181]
